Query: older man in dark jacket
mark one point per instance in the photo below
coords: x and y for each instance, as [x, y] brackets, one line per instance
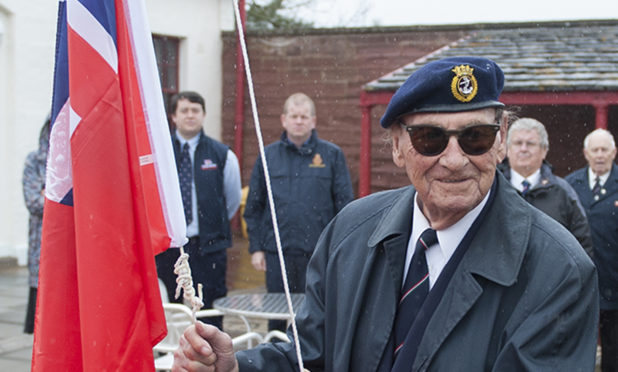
[501, 286]
[529, 172]
[597, 186]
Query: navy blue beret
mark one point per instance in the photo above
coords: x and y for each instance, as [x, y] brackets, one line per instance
[448, 85]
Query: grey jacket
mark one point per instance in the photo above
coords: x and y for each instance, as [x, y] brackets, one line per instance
[33, 183]
[523, 298]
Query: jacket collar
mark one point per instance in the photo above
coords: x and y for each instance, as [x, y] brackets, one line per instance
[307, 148]
[397, 219]
[612, 182]
[547, 176]
[495, 253]
[580, 179]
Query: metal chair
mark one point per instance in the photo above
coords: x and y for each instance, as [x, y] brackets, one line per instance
[178, 317]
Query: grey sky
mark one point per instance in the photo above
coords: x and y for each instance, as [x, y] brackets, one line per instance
[328, 13]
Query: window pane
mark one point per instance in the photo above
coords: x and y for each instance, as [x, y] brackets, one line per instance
[166, 51]
[171, 77]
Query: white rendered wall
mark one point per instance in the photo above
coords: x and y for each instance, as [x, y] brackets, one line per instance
[198, 23]
[27, 42]
[26, 68]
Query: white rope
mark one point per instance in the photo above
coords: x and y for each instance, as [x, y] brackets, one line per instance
[185, 282]
[258, 131]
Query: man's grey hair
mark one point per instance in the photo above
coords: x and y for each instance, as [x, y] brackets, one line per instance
[600, 130]
[529, 124]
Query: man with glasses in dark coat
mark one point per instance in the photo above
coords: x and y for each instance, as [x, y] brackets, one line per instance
[528, 171]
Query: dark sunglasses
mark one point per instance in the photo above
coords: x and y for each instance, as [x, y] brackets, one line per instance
[431, 140]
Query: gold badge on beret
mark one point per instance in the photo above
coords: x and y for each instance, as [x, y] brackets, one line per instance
[464, 85]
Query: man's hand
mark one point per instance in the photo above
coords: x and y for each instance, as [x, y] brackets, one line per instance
[204, 348]
[258, 260]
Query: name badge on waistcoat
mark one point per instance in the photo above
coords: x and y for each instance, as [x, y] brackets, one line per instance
[208, 165]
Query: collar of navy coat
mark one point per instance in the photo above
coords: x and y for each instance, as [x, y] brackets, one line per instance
[580, 178]
[494, 254]
[307, 148]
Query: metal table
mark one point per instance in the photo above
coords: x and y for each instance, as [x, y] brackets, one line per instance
[261, 306]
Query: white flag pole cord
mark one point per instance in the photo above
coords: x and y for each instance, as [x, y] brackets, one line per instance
[185, 282]
[258, 131]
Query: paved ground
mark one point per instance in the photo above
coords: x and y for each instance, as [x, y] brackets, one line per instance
[15, 346]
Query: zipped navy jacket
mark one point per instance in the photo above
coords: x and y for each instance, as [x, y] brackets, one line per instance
[310, 185]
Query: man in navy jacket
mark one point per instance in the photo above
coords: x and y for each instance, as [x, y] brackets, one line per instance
[601, 204]
[310, 183]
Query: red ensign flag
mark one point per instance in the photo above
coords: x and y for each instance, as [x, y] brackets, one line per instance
[112, 195]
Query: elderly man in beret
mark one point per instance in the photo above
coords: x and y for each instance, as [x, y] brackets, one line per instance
[453, 273]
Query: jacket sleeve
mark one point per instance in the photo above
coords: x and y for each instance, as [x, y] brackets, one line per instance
[255, 207]
[310, 319]
[579, 227]
[571, 192]
[342, 185]
[559, 332]
[33, 183]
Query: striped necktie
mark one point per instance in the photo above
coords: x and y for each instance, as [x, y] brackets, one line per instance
[596, 190]
[415, 289]
[526, 185]
[185, 176]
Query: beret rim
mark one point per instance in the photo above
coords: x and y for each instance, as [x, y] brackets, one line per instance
[448, 109]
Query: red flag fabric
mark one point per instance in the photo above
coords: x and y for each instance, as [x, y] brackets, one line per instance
[111, 195]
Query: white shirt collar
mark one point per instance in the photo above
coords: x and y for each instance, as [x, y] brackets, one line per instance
[517, 179]
[439, 254]
[592, 178]
[191, 141]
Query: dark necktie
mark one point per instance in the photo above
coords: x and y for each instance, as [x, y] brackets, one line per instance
[526, 186]
[596, 190]
[415, 288]
[185, 176]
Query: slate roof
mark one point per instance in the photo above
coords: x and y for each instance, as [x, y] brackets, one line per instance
[540, 59]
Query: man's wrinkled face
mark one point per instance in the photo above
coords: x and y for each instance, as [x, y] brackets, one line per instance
[451, 183]
[600, 153]
[188, 118]
[525, 152]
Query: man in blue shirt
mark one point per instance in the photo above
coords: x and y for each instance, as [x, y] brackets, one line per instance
[210, 187]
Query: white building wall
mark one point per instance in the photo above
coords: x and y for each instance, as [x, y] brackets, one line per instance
[26, 66]
[27, 42]
[198, 23]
